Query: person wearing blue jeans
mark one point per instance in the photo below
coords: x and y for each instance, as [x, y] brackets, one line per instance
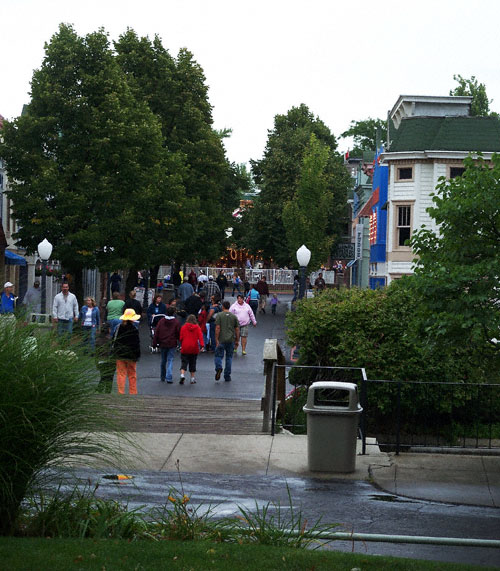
[65, 311]
[166, 336]
[227, 338]
[167, 363]
[90, 320]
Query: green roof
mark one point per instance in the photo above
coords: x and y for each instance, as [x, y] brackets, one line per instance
[446, 134]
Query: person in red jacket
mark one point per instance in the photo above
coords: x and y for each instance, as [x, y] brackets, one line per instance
[191, 341]
[166, 335]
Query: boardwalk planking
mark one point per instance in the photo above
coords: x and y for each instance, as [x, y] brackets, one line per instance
[144, 413]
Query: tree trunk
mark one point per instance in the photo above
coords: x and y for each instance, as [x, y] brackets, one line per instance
[131, 281]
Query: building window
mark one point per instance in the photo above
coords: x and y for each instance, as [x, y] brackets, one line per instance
[455, 171]
[404, 174]
[403, 228]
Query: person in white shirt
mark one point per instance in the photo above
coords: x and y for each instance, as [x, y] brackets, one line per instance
[65, 310]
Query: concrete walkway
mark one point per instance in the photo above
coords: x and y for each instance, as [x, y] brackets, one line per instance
[452, 478]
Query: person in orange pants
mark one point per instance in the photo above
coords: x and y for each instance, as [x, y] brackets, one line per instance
[127, 350]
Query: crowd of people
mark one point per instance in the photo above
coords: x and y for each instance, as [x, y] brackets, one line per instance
[196, 318]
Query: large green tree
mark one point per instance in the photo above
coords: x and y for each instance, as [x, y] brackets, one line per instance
[278, 175]
[457, 271]
[306, 216]
[176, 91]
[88, 166]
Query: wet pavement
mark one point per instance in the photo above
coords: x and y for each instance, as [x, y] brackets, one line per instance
[358, 506]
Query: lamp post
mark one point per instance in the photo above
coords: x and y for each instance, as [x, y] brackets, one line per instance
[44, 253]
[303, 257]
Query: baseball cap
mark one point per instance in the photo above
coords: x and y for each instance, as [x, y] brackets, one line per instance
[8, 284]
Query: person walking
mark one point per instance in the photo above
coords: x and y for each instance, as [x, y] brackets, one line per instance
[127, 351]
[7, 299]
[253, 299]
[215, 308]
[191, 339]
[135, 304]
[89, 318]
[185, 290]
[211, 288]
[157, 307]
[33, 298]
[202, 279]
[263, 290]
[245, 316]
[192, 279]
[115, 281]
[274, 303]
[236, 283]
[227, 338]
[166, 336]
[177, 281]
[65, 310]
[193, 304]
[222, 283]
[114, 308]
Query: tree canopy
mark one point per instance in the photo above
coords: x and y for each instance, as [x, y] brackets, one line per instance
[457, 272]
[278, 175]
[114, 159]
[367, 134]
[480, 106]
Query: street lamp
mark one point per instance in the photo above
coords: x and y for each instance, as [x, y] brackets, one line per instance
[303, 257]
[44, 253]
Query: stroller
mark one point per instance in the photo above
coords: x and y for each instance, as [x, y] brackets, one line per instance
[152, 327]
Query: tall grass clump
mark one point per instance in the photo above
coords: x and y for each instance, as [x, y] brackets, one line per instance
[48, 413]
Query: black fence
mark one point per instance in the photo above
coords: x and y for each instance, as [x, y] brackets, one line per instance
[401, 416]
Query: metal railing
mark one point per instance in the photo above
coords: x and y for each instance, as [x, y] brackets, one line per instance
[273, 277]
[400, 415]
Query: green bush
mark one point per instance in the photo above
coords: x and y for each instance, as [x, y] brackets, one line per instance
[379, 331]
[48, 413]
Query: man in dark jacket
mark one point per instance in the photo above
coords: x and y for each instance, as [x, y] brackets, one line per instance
[222, 283]
[166, 336]
[193, 304]
[263, 290]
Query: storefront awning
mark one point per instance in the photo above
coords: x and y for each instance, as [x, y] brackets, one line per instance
[14, 259]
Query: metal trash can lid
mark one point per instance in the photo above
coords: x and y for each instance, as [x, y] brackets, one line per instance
[332, 396]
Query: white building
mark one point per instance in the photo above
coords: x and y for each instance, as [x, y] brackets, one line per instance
[428, 138]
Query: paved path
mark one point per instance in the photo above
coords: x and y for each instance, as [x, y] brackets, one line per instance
[247, 374]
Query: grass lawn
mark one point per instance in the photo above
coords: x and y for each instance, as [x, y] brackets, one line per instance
[109, 555]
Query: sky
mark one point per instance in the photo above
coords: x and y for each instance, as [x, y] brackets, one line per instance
[345, 61]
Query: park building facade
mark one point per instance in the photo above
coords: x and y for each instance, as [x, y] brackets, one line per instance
[428, 138]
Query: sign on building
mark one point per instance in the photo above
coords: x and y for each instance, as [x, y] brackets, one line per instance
[359, 241]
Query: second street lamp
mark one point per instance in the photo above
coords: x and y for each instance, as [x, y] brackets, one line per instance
[303, 258]
[44, 253]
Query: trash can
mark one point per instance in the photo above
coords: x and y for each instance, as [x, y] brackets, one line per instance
[332, 411]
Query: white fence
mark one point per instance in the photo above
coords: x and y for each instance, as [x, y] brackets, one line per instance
[253, 275]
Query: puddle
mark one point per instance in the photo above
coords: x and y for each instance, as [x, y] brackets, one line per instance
[386, 498]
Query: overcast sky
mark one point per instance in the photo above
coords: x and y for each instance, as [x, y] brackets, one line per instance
[345, 61]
